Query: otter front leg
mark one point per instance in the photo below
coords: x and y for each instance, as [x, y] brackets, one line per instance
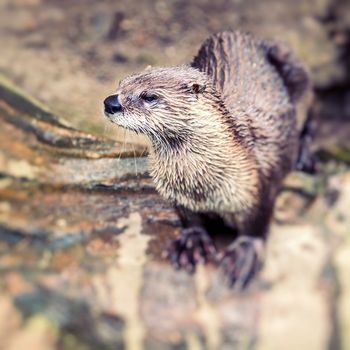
[194, 244]
[244, 257]
[242, 260]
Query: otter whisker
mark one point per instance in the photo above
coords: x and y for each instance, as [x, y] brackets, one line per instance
[135, 162]
[123, 147]
[105, 129]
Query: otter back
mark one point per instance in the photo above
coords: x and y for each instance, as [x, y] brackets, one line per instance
[243, 66]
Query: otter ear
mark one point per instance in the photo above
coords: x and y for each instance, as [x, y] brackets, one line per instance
[197, 88]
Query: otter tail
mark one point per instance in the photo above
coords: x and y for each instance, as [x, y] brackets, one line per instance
[297, 80]
[292, 71]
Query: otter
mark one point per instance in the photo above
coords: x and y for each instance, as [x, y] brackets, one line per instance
[224, 132]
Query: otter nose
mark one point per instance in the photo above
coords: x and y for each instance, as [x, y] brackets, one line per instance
[112, 104]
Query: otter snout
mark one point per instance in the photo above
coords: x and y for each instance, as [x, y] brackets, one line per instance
[112, 104]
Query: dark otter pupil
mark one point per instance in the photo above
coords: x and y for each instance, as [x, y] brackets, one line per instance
[149, 97]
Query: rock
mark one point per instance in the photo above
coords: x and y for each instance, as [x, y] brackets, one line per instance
[82, 229]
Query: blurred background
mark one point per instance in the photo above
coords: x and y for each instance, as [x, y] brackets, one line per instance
[81, 227]
[71, 54]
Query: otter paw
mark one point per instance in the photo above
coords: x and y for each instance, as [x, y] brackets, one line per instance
[242, 260]
[192, 247]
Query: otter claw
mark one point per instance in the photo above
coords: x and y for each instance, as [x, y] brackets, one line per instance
[242, 260]
[192, 247]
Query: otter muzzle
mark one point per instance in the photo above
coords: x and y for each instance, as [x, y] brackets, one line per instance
[112, 104]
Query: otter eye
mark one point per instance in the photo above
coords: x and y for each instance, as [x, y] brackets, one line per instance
[149, 97]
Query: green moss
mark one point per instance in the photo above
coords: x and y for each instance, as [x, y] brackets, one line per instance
[71, 342]
[341, 154]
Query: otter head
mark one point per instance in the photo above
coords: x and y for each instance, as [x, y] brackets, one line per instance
[163, 103]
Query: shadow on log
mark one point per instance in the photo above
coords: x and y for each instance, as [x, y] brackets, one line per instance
[81, 235]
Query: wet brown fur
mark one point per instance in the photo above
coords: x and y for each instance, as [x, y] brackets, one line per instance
[224, 130]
